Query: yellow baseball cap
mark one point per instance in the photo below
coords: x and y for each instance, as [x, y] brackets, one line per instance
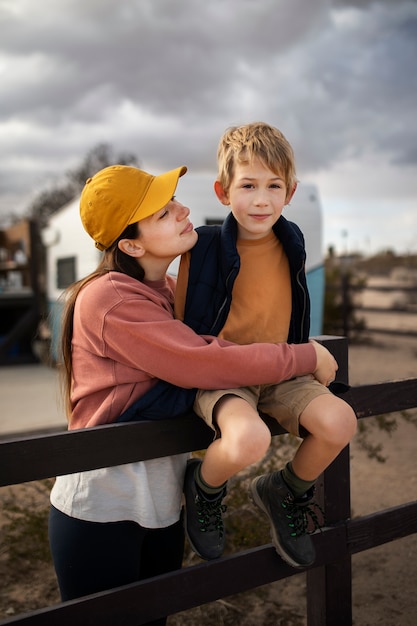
[120, 195]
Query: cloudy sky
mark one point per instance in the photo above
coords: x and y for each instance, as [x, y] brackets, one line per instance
[164, 78]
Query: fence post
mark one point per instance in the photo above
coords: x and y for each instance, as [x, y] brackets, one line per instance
[329, 588]
[345, 302]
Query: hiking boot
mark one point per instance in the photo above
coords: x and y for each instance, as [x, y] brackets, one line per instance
[203, 517]
[289, 518]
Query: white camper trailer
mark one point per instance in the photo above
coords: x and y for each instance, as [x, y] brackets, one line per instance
[71, 253]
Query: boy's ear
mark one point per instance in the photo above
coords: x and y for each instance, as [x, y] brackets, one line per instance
[290, 193]
[220, 193]
[131, 247]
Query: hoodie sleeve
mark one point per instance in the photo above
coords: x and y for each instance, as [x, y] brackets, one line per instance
[144, 336]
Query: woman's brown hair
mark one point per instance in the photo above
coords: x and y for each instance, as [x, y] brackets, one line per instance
[113, 259]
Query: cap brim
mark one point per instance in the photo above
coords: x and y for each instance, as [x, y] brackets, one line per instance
[159, 193]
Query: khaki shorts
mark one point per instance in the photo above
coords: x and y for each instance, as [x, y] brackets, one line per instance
[284, 401]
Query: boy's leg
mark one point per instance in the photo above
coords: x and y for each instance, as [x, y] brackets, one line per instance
[244, 439]
[285, 496]
[331, 424]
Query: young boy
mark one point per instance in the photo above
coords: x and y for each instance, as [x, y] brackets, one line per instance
[245, 281]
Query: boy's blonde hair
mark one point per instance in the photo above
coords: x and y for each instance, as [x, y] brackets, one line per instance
[258, 140]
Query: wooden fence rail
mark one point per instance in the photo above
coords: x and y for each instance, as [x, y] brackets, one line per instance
[346, 288]
[329, 580]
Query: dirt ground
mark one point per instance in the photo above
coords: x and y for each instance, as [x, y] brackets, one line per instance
[384, 579]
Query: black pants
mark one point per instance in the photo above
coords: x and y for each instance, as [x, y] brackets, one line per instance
[90, 557]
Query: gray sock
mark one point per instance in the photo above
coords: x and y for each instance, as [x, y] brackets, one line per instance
[207, 490]
[297, 486]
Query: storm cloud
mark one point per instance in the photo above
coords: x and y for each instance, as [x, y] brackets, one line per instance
[163, 79]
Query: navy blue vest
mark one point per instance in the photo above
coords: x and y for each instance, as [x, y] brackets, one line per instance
[214, 266]
[163, 401]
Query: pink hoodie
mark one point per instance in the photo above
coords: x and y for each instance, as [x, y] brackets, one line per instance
[125, 338]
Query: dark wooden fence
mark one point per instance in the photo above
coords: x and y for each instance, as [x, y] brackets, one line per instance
[347, 289]
[329, 580]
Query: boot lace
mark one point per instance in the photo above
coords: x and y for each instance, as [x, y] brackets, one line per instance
[210, 515]
[303, 519]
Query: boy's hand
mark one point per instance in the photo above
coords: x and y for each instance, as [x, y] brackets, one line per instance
[327, 366]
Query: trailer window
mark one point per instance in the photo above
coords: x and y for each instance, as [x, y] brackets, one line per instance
[65, 272]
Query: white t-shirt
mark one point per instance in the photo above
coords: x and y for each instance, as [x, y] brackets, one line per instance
[147, 492]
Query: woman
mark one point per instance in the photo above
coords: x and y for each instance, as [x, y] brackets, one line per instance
[116, 525]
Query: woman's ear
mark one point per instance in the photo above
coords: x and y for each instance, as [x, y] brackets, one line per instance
[220, 193]
[131, 247]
